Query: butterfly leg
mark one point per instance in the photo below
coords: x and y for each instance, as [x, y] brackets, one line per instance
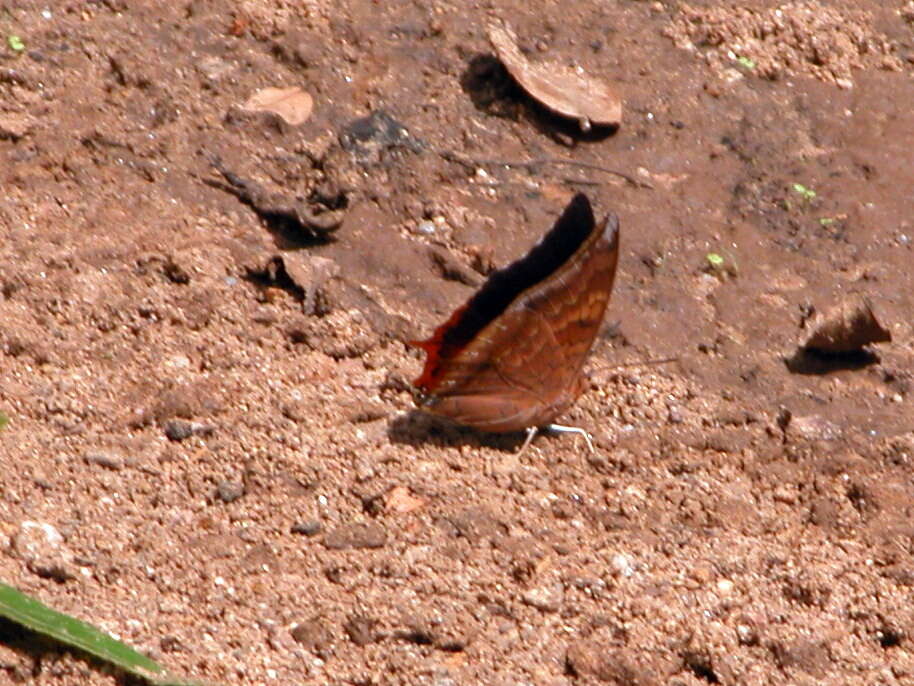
[531, 433]
[562, 429]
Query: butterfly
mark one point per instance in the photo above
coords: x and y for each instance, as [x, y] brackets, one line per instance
[512, 357]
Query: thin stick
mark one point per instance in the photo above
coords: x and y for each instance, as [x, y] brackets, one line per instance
[661, 360]
[532, 164]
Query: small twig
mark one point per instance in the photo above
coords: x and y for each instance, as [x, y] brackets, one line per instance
[643, 363]
[471, 163]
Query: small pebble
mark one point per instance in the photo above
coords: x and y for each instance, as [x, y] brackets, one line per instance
[623, 565]
[178, 430]
[547, 598]
[107, 460]
[426, 228]
[725, 586]
[310, 527]
[229, 491]
[181, 429]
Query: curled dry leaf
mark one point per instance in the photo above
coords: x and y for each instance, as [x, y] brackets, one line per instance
[560, 89]
[293, 104]
[845, 328]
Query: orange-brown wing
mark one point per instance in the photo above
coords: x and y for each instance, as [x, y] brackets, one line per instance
[572, 230]
[523, 368]
[485, 387]
[574, 300]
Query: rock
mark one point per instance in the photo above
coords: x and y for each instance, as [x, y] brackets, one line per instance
[367, 535]
[401, 501]
[452, 268]
[747, 631]
[806, 655]
[180, 429]
[108, 460]
[310, 527]
[845, 328]
[314, 635]
[297, 410]
[546, 598]
[825, 512]
[293, 105]
[623, 565]
[229, 491]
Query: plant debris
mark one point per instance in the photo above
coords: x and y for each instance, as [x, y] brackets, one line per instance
[565, 91]
[367, 137]
[273, 206]
[292, 105]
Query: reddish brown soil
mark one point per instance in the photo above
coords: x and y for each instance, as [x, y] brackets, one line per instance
[223, 440]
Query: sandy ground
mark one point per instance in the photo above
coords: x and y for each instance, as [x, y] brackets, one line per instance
[211, 451]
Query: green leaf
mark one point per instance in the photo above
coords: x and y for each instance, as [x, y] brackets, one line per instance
[746, 62]
[807, 193]
[715, 260]
[827, 221]
[37, 617]
[4, 421]
[15, 43]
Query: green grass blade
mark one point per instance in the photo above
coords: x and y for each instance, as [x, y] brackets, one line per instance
[41, 619]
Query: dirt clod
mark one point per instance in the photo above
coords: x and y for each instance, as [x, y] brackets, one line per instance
[845, 328]
[361, 630]
[591, 659]
[369, 535]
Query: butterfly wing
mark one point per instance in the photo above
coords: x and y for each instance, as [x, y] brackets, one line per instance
[573, 302]
[487, 386]
[524, 366]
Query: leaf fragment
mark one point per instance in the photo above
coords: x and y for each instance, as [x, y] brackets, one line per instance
[293, 105]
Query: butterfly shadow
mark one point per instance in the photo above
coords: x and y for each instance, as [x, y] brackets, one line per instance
[814, 363]
[493, 91]
[420, 428]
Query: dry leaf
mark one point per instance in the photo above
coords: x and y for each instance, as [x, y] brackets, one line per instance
[293, 104]
[846, 328]
[561, 89]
